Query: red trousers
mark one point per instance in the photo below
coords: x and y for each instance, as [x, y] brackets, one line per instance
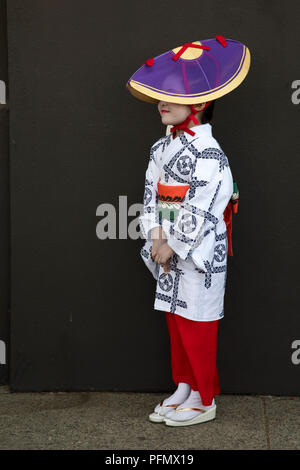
[194, 354]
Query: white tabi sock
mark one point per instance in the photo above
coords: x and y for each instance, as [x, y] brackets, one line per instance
[193, 401]
[180, 395]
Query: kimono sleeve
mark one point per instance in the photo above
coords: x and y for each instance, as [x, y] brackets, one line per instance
[150, 216]
[201, 208]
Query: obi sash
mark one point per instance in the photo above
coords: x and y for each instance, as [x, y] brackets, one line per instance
[170, 198]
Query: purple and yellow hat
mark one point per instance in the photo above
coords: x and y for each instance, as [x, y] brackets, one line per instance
[193, 73]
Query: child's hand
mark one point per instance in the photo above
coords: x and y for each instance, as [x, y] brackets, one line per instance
[166, 267]
[159, 238]
[163, 255]
[156, 245]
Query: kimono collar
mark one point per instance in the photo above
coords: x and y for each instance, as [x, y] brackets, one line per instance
[201, 130]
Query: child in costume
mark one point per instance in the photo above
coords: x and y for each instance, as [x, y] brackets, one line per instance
[187, 219]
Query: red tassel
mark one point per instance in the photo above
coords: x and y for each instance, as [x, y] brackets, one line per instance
[221, 40]
[149, 62]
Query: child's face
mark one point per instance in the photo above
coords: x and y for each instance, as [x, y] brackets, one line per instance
[173, 113]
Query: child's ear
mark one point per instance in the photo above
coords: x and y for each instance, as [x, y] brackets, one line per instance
[199, 106]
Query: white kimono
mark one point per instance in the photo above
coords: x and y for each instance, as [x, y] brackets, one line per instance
[195, 286]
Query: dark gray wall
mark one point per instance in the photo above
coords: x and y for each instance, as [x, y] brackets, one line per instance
[82, 308]
[4, 206]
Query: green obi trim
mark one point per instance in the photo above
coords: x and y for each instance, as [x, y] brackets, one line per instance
[236, 193]
[168, 210]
